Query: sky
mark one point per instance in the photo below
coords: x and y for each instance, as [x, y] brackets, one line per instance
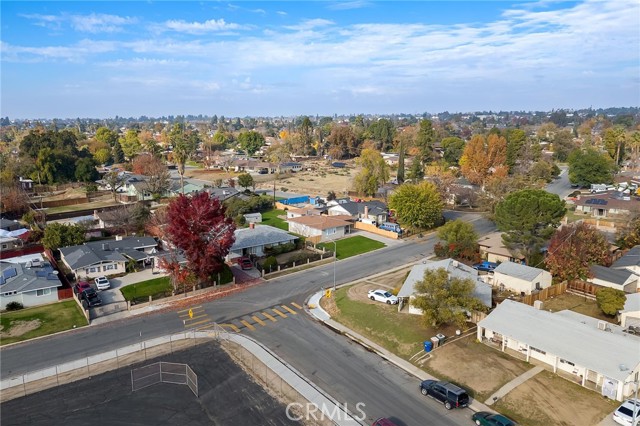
[157, 58]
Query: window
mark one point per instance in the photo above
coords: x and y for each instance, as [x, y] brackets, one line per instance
[43, 292]
[94, 269]
[564, 361]
[538, 286]
[538, 350]
[108, 267]
[5, 246]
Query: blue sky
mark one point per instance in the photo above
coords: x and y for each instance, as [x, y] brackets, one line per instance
[102, 59]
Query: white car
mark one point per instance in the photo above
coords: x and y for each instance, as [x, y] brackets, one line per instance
[102, 283]
[624, 414]
[383, 296]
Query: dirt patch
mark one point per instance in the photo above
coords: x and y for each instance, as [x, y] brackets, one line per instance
[485, 369]
[392, 282]
[547, 399]
[18, 328]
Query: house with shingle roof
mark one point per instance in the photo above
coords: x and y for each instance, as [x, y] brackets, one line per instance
[630, 313]
[629, 261]
[492, 249]
[520, 278]
[621, 279]
[372, 210]
[320, 228]
[455, 269]
[257, 240]
[31, 283]
[108, 257]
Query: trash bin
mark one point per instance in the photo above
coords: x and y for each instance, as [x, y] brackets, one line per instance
[428, 346]
[435, 342]
[441, 338]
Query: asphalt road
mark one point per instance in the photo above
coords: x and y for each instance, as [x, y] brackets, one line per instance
[561, 186]
[343, 369]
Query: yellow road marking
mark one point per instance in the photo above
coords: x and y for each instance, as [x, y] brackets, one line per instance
[278, 312]
[191, 324]
[187, 310]
[269, 316]
[246, 324]
[233, 327]
[197, 317]
[288, 309]
[296, 305]
[258, 320]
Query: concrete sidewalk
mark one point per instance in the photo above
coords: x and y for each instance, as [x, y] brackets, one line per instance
[513, 384]
[314, 308]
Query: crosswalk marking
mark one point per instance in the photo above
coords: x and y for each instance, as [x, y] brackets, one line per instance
[232, 326]
[296, 305]
[193, 324]
[196, 317]
[278, 312]
[270, 317]
[188, 309]
[246, 324]
[288, 309]
[258, 320]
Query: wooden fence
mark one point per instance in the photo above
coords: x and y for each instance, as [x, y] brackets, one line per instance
[584, 287]
[546, 293]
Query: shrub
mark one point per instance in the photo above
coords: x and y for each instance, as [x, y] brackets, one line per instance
[270, 263]
[14, 306]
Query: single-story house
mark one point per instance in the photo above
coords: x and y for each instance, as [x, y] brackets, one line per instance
[26, 184]
[108, 257]
[520, 278]
[590, 354]
[320, 228]
[455, 269]
[303, 211]
[176, 189]
[371, 210]
[621, 279]
[493, 249]
[257, 240]
[12, 234]
[10, 243]
[223, 194]
[630, 314]
[629, 261]
[611, 203]
[290, 167]
[31, 283]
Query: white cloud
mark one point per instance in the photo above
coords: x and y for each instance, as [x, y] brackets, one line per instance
[310, 24]
[92, 23]
[212, 25]
[348, 5]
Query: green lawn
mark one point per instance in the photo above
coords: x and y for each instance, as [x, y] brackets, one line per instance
[148, 288]
[575, 303]
[352, 246]
[400, 333]
[271, 218]
[52, 318]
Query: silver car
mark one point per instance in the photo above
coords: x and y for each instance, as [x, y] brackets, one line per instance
[625, 413]
[102, 283]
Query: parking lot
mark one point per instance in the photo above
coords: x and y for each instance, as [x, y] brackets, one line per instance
[227, 395]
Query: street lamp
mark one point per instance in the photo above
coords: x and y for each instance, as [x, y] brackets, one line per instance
[335, 258]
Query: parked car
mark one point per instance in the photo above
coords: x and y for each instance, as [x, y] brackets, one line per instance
[102, 283]
[383, 422]
[447, 393]
[383, 296]
[91, 297]
[485, 418]
[80, 287]
[245, 262]
[485, 266]
[624, 414]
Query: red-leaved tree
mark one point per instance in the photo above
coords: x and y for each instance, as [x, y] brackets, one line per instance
[573, 249]
[197, 225]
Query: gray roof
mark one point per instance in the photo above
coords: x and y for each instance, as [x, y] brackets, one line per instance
[630, 258]
[455, 269]
[260, 235]
[10, 225]
[106, 251]
[518, 270]
[566, 337]
[375, 207]
[614, 276]
[17, 277]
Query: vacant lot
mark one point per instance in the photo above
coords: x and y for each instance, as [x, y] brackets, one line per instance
[547, 399]
[147, 288]
[352, 246]
[316, 182]
[40, 321]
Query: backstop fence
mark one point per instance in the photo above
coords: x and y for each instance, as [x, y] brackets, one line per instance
[164, 372]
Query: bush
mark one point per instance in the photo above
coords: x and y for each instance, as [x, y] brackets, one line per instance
[270, 263]
[14, 306]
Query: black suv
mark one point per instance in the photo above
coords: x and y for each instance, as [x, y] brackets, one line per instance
[91, 297]
[449, 394]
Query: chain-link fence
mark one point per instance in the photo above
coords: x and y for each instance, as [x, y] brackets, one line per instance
[164, 372]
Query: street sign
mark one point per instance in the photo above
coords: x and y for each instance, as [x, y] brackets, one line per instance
[190, 314]
[327, 293]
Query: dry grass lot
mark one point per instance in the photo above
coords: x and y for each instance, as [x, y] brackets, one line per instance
[478, 367]
[547, 399]
[579, 304]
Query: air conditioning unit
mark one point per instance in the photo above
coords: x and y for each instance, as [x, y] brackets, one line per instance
[602, 325]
